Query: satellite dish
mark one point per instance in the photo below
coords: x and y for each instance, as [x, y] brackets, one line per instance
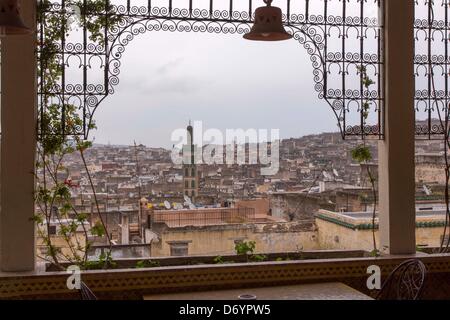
[187, 199]
[335, 173]
[327, 175]
[192, 207]
[167, 205]
[177, 206]
[427, 190]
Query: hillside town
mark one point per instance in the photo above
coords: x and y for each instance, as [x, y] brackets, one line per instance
[317, 200]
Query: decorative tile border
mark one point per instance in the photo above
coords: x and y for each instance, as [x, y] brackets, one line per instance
[132, 283]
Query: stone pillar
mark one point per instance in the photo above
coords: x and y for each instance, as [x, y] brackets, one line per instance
[396, 152]
[18, 147]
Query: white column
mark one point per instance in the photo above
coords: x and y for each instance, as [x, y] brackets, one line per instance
[396, 152]
[18, 147]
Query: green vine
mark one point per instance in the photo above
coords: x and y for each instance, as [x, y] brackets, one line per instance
[362, 153]
[58, 116]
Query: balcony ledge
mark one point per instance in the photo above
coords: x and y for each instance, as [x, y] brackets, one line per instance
[134, 283]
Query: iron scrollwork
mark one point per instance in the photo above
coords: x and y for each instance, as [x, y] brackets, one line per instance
[342, 37]
[432, 67]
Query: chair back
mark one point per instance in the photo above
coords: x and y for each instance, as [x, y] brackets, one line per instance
[86, 293]
[405, 282]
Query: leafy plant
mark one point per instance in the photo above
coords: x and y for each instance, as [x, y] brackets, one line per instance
[258, 257]
[59, 124]
[279, 259]
[374, 253]
[147, 264]
[420, 248]
[105, 261]
[245, 248]
[218, 260]
[98, 230]
[362, 153]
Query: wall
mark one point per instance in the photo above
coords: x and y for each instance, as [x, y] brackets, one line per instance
[430, 173]
[261, 206]
[60, 243]
[351, 201]
[220, 240]
[297, 206]
[334, 236]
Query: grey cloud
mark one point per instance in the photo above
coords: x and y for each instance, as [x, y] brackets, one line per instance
[169, 66]
[182, 84]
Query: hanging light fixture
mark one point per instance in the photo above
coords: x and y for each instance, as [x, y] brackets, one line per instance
[11, 22]
[268, 25]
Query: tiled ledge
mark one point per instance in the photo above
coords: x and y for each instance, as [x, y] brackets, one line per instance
[134, 283]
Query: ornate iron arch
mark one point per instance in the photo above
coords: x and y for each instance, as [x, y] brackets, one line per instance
[338, 71]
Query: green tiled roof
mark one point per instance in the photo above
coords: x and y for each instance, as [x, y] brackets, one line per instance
[368, 226]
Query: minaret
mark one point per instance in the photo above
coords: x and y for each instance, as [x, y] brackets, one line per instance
[190, 173]
[190, 131]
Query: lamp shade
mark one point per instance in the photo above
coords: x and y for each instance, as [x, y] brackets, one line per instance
[11, 22]
[268, 25]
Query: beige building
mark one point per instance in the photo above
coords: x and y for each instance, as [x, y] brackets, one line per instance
[215, 231]
[354, 230]
[67, 247]
[220, 239]
[430, 168]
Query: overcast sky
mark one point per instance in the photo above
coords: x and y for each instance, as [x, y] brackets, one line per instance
[222, 80]
[225, 81]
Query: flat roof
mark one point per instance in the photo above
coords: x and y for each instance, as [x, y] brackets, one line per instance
[368, 214]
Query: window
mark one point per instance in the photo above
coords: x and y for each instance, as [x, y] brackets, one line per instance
[193, 183]
[193, 172]
[186, 184]
[179, 249]
[52, 230]
[186, 172]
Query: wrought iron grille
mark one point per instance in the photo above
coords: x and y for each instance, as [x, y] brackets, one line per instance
[432, 67]
[342, 38]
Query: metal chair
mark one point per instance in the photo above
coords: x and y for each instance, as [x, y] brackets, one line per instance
[86, 293]
[405, 282]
